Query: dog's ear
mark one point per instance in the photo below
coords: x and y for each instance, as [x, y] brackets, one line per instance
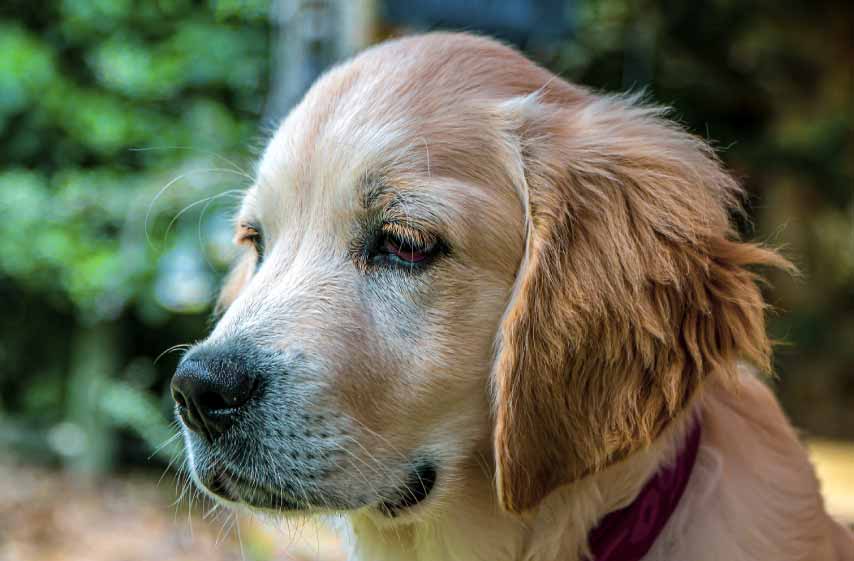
[234, 282]
[633, 289]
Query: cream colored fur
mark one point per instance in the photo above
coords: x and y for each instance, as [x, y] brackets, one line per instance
[752, 496]
[595, 300]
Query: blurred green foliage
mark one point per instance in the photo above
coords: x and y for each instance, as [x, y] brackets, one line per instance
[771, 84]
[119, 123]
[126, 127]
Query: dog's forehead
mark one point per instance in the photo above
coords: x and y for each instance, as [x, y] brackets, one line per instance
[417, 108]
[329, 146]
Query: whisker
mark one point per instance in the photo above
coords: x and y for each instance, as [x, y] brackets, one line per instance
[212, 510]
[170, 184]
[165, 443]
[239, 537]
[226, 527]
[171, 349]
[190, 206]
[238, 192]
[378, 436]
[371, 486]
[216, 155]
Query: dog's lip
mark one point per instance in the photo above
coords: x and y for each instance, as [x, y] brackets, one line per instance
[229, 486]
[224, 484]
[218, 486]
[416, 489]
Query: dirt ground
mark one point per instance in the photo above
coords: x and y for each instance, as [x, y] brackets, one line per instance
[53, 516]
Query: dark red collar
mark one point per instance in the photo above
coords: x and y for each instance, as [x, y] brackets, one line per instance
[628, 534]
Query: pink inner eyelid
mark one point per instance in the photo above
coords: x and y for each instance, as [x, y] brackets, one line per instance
[413, 256]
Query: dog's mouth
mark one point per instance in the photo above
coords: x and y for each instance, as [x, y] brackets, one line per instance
[227, 485]
[417, 487]
[233, 488]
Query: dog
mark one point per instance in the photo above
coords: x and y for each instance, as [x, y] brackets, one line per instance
[483, 313]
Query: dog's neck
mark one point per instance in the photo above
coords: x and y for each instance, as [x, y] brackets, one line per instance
[470, 525]
[627, 534]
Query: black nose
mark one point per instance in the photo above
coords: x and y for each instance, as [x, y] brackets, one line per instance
[210, 388]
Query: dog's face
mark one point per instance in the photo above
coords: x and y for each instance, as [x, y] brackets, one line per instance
[443, 273]
[381, 242]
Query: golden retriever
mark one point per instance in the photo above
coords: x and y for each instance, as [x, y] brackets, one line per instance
[479, 310]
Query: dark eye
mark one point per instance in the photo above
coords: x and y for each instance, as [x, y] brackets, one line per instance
[404, 250]
[393, 249]
[252, 235]
[258, 243]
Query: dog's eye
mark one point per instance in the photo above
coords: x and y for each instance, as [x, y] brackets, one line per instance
[405, 251]
[251, 235]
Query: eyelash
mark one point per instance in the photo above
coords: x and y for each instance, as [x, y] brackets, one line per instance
[387, 249]
[252, 236]
[393, 250]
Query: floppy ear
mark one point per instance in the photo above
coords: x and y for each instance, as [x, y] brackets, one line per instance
[633, 290]
[236, 279]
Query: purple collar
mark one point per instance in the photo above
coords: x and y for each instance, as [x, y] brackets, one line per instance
[628, 534]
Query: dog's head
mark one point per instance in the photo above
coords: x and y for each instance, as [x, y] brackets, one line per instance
[450, 256]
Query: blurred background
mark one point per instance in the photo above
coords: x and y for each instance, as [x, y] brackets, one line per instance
[129, 128]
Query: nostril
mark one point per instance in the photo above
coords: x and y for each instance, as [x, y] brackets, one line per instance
[212, 402]
[179, 398]
[210, 390]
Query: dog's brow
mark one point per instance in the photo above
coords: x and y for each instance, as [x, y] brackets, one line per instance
[371, 187]
[378, 194]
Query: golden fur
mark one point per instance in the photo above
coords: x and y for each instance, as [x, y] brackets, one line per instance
[634, 289]
[597, 298]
